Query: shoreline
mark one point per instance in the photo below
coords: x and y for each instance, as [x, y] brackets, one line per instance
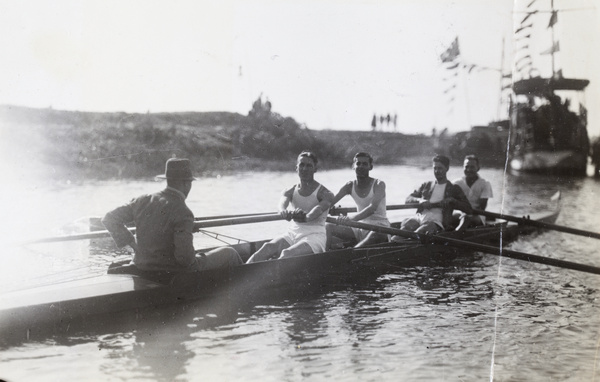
[78, 146]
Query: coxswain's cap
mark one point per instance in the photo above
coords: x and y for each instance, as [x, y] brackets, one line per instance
[177, 169]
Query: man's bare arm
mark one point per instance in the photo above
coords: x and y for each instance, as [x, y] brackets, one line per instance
[378, 196]
[325, 198]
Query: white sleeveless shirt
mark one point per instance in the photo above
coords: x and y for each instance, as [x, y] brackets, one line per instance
[307, 203]
[380, 214]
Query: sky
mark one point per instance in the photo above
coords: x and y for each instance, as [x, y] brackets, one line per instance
[329, 64]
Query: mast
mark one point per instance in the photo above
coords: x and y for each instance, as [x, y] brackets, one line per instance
[552, 34]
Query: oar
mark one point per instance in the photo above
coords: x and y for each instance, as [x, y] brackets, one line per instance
[499, 251]
[198, 219]
[345, 210]
[202, 218]
[197, 226]
[539, 224]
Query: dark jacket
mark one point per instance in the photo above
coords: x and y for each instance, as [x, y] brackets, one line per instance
[164, 226]
[451, 191]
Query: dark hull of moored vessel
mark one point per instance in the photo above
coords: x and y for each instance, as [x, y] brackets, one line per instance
[548, 134]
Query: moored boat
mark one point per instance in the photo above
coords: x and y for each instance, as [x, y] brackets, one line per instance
[549, 133]
[548, 117]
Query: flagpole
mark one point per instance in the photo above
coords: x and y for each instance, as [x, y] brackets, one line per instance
[467, 98]
[501, 78]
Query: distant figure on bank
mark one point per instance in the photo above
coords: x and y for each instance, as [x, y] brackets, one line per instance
[437, 199]
[164, 226]
[477, 190]
[310, 202]
[369, 195]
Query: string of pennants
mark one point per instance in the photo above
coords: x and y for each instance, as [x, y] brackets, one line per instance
[523, 59]
[522, 35]
[452, 64]
[450, 61]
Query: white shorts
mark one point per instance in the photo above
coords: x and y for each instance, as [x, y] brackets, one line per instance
[316, 240]
[422, 219]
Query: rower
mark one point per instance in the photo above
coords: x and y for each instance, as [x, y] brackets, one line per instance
[477, 190]
[311, 202]
[164, 226]
[437, 199]
[369, 195]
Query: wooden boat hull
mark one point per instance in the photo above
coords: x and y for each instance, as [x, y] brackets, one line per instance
[61, 304]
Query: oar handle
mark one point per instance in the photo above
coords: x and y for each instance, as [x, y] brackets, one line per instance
[499, 251]
[539, 224]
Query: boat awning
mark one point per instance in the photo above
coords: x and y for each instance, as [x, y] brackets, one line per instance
[540, 85]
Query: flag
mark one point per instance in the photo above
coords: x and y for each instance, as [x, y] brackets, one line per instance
[454, 74]
[450, 88]
[555, 48]
[523, 28]
[529, 14]
[523, 58]
[451, 53]
[553, 19]
[523, 66]
[506, 81]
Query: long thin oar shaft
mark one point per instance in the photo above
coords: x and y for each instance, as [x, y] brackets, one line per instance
[197, 225]
[345, 210]
[499, 251]
[237, 220]
[539, 224]
[333, 210]
[202, 218]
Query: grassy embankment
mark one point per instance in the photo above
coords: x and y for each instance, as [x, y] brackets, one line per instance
[79, 145]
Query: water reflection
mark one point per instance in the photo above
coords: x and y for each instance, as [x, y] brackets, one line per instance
[305, 323]
[452, 284]
[364, 313]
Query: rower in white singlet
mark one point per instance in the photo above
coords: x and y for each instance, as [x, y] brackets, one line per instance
[369, 196]
[310, 202]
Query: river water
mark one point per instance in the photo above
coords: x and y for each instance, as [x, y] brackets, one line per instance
[481, 318]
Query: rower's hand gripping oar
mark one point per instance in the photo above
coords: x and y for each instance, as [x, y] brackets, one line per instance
[499, 251]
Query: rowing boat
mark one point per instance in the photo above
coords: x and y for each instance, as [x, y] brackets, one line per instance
[119, 291]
